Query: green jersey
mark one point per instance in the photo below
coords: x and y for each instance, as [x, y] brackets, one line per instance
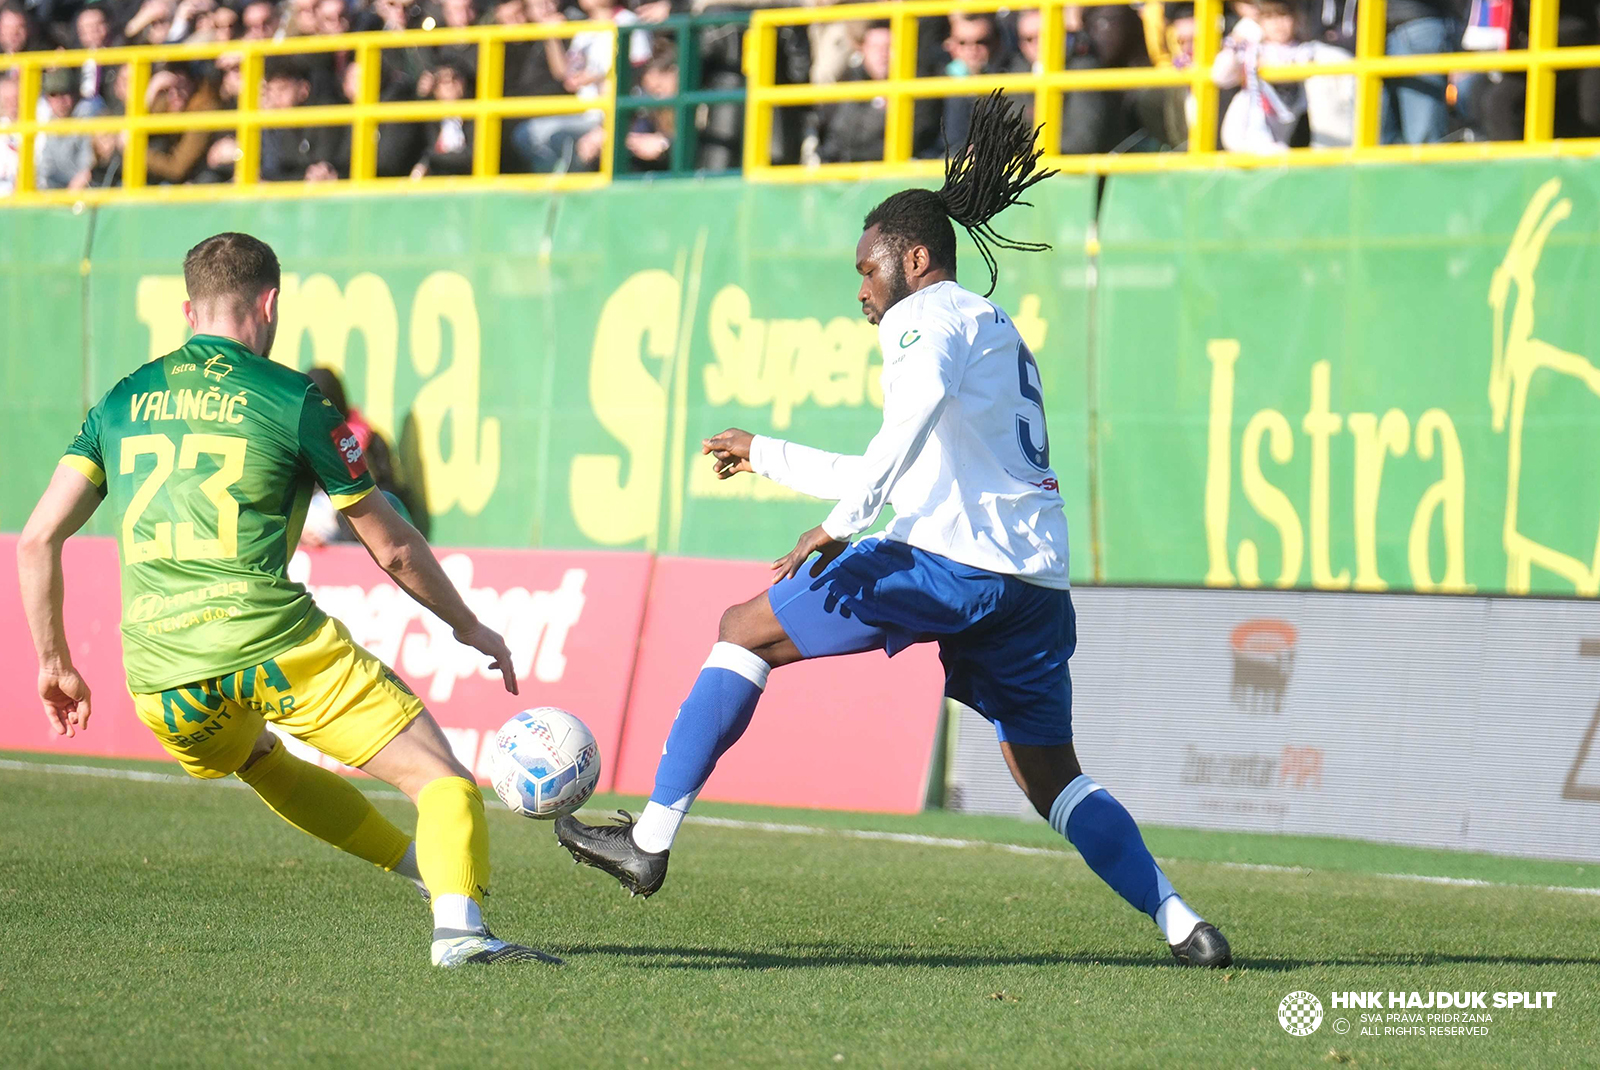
[207, 458]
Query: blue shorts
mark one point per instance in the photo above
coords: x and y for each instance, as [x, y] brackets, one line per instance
[1004, 643]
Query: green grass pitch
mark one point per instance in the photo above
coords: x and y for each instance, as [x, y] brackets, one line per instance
[177, 924]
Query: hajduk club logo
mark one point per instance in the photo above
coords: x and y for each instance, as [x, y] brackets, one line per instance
[1300, 1014]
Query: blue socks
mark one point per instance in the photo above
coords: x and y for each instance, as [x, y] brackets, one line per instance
[711, 720]
[1105, 835]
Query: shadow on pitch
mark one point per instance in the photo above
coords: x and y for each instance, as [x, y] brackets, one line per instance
[710, 958]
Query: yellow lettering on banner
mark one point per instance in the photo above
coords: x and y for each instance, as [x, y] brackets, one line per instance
[1272, 503]
[1320, 425]
[786, 362]
[317, 308]
[784, 341]
[1375, 441]
[639, 321]
[1223, 353]
[841, 375]
[158, 304]
[1448, 498]
[736, 344]
[467, 477]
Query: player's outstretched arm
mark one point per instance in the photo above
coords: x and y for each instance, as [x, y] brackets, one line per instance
[66, 506]
[400, 550]
[811, 471]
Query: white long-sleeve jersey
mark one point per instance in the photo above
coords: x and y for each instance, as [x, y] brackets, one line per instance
[963, 454]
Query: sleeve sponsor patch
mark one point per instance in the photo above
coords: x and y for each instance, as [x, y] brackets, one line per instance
[349, 447]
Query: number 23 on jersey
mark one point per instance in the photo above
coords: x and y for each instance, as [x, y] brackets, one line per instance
[178, 540]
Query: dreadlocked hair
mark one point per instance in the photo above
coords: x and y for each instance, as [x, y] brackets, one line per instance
[988, 175]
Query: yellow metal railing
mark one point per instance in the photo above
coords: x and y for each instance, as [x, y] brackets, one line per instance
[487, 109]
[1540, 60]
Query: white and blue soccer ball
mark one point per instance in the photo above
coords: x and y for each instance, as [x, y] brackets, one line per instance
[545, 763]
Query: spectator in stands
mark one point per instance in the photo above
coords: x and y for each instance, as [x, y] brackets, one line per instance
[286, 152]
[449, 140]
[1268, 118]
[1107, 121]
[528, 72]
[1497, 106]
[16, 29]
[973, 44]
[223, 151]
[567, 142]
[650, 135]
[93, 30]
[10, 144]
[258, 20]
[222, 24]
[1029, 25]
[327, 69]
[323, 523]
[301, 19]
[1415, 109]
[400, 145]
[852, 130]
[150, 25]
[190, 18]
[1178, 36]
[177, 157]
[105, 170]
[62, 161]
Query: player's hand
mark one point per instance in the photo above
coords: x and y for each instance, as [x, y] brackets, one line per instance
[815, 541]
[66, 700]
[730, 452]
[486, 640]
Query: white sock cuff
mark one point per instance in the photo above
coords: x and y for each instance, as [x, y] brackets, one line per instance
[457, 912]
[1071, 795]
[737, 659]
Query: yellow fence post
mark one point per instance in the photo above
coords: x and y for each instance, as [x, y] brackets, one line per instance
[247, 170]
[900, 117]
[491, 81]
[1539, 122]
[27, 108]
[608, 154]
[1372, 40]
[1207, 42]
[364, 131]
[760, 73]
[134, 154]
[1052, 60]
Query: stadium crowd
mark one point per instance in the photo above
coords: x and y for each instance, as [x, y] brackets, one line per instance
[1257, 116]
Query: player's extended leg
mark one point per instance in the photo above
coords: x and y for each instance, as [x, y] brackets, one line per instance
[1108, 839]
[452, 842]
[323, 804]
[751, 641]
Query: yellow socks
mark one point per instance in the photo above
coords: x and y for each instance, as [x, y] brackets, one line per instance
[453, 840]
[329, 807]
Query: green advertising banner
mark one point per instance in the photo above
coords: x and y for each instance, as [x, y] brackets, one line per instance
[43, 391]
[547, 366]
[1376, 378]
[1352, 379]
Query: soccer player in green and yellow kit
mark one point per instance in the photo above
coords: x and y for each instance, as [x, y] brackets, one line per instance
[207, 458]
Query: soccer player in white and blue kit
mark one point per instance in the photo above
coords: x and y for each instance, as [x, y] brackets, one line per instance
[975, 558]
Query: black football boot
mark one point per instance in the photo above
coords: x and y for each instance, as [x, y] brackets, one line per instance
[611, 848]
[1205, 946]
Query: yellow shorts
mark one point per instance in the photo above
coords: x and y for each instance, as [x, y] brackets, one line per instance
[327, 691]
